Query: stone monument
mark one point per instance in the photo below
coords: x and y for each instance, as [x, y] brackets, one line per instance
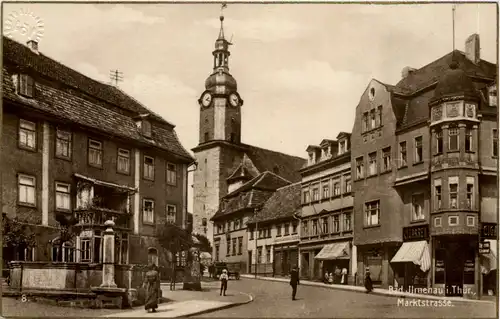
[192, 276]
[108, 292]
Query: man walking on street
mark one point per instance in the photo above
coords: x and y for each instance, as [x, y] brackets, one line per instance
[294, 281]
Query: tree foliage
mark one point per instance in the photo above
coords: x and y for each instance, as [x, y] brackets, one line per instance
[204, 243]
[17, 234]
[173, 238]
[67, 231]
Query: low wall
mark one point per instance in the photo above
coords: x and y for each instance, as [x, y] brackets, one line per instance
[78, 277]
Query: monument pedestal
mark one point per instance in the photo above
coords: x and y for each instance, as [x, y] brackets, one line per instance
[192, 277]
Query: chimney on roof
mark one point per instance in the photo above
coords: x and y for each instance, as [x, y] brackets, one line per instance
[33, 45]
[407, 71]
[473, 48]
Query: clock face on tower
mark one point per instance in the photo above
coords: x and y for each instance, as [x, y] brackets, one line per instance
[234, 99]
[206, 99]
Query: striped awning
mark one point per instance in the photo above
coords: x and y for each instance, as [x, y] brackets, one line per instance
[489, 261]
[416, 252]
[334, 251]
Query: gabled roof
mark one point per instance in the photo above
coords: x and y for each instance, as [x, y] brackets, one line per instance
[431, 72]
[284, 203]
[264, 181]
[413, 107]
[84, 109]
[252, 194]
[312, 148]
[284, 165]
[343, 134]
[327, 142]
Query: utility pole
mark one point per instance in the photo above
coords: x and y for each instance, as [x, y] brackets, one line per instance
[256, 239]
[115, 76]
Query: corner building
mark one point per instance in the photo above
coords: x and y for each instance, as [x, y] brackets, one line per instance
[425, 158]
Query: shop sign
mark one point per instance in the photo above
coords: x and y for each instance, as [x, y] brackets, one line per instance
[489, 230]
[469, 266]
[415, 233]
[484, 247]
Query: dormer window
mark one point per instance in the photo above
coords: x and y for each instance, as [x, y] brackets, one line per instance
[145, 127]
[311, 158]
[26, 85]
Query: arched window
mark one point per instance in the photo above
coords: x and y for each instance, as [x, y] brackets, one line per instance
[67, 254]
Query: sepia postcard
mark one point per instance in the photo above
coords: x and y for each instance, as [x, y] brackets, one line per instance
[249, 159]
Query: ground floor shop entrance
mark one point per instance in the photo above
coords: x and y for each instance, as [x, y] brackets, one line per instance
[455, 264]
[285, 257]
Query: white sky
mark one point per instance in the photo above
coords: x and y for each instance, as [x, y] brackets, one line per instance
[301, 68]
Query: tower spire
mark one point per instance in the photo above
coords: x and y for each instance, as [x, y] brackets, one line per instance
[221, 32]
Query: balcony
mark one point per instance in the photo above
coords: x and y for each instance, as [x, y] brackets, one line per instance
[99, 201]
[95, 217]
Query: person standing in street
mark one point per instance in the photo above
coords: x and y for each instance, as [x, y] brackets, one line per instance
[152, 288]
[223, 282]
[294, 281]
[343, 281]
[368, 281]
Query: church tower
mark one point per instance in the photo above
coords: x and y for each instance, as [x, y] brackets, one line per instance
[219, 150]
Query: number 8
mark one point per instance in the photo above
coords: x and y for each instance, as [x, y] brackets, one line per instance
[24, 298]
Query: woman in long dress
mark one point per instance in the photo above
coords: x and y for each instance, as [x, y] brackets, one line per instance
[152, 287]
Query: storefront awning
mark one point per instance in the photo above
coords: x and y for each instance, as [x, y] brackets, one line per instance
[489, 261]
[334, 251]
[416, 252]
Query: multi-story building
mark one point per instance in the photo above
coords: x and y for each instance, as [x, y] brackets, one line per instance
[231, 220]
[424, 160]
[224, 163]
[77, 147]
[274, 233]
[327, 217]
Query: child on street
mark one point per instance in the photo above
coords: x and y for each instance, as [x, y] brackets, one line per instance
[223, 282]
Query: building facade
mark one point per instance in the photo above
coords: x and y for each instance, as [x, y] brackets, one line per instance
[224, 163]
[425, 175]
[72, 146]
[231, 220]
[327, 210]
[274, 233]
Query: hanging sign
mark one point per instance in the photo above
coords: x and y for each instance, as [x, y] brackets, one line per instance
[484, 248]
[489, 231]
[415, 233]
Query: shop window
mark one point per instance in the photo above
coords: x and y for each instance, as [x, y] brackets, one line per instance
[268, 255]
[259, 255]
[402, 155]
[469, 267]
[453, 220]
[240, 245]
[439, 266]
